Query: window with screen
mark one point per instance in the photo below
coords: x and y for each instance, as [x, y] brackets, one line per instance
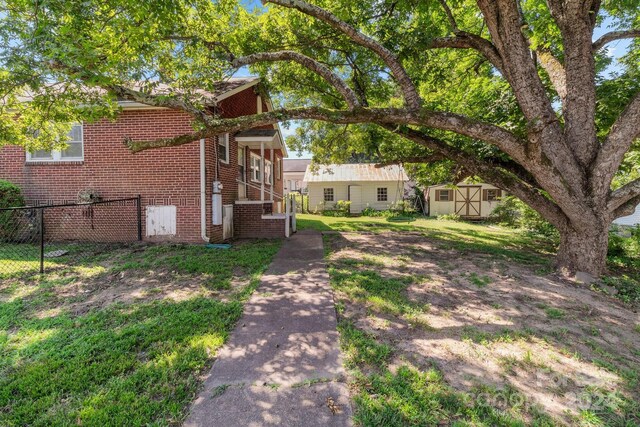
[73, 152]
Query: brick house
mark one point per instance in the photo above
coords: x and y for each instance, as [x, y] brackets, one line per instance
[212, 190]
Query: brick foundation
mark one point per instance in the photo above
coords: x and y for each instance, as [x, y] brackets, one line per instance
[248, 222]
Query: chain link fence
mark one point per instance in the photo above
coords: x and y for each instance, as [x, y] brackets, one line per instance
[41, 238]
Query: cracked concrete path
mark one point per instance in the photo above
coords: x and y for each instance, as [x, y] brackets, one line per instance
[282, 365]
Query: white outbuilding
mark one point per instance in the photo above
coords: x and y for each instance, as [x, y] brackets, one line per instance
[363, 184]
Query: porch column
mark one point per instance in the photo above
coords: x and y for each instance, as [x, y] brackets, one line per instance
[273, 178]
[262, 171]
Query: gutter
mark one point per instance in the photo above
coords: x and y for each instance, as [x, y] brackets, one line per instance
[203, 193]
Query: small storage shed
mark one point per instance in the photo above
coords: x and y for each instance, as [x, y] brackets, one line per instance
[363, 184]
[471, 201]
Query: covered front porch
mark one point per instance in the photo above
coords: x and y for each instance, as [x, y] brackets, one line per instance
[261, 208]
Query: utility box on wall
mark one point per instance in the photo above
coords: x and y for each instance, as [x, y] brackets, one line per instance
[216, 203]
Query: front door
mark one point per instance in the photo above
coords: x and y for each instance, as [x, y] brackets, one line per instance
[355, 197]
[468, 200]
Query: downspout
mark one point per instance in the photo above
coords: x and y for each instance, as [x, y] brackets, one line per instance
[203, 193]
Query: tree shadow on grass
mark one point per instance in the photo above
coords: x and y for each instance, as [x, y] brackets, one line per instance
[514, 349]
[125, 365]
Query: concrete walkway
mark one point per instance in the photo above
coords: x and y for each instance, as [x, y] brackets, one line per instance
[282, 365]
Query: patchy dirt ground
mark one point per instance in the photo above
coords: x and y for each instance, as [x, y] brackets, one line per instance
[486, 321]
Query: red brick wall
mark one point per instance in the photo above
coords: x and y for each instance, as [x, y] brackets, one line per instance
[249, 223]
[166, 176]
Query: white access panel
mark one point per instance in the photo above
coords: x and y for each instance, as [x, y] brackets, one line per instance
[161, 221]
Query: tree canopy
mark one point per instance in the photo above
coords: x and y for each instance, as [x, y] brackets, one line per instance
[517, 92]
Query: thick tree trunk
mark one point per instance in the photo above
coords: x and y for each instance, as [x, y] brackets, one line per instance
[583, 251]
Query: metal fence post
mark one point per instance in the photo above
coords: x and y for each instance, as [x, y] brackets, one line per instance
[139, 218]
[41, 240]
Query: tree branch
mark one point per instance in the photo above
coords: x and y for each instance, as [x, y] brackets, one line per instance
[488, 172]
[464, 40]
[410, 92]
[436, 157]
[614, 35]
[447, 11]
[313, 65]
[555, 70]
[623, 195]
[491, 134]
[627, 208]
[624, 131]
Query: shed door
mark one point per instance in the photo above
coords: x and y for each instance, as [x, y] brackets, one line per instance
[161, 221]
[227, 222]
[468, 200]
[355, 197]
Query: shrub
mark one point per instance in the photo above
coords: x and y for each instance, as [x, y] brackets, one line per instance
[616, 245]
[342, 208]
[450, 217]
[513, 212]
[507, 213]
[10, 196]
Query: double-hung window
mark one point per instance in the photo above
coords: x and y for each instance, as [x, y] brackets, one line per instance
[223, 148]
[255, 168]
[73, 153]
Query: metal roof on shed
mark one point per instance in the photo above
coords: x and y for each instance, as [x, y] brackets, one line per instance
[355, 172]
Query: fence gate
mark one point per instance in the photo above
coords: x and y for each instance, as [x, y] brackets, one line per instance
[37, 238]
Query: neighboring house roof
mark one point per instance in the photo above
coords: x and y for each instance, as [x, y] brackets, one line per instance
[355, 172]
[295, 165]
[221, 90]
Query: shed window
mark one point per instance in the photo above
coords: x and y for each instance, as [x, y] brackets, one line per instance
[73, 152]
[491, 195]
[328, 194]
[382, 194]
[444, 195]
[255, 168]
[223, 148]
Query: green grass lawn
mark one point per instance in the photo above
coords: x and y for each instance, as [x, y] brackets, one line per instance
[456, 235]
[120, 338]
[452, 323]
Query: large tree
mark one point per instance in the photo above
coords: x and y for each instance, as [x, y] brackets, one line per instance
[516, 92]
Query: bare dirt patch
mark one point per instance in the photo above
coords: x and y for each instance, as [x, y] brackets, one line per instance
[487, 321]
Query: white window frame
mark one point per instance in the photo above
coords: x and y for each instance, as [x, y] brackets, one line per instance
[324, 194]
[224, 141]
[255, 168]
[56, 155]
[379, 193]
[268, 172]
